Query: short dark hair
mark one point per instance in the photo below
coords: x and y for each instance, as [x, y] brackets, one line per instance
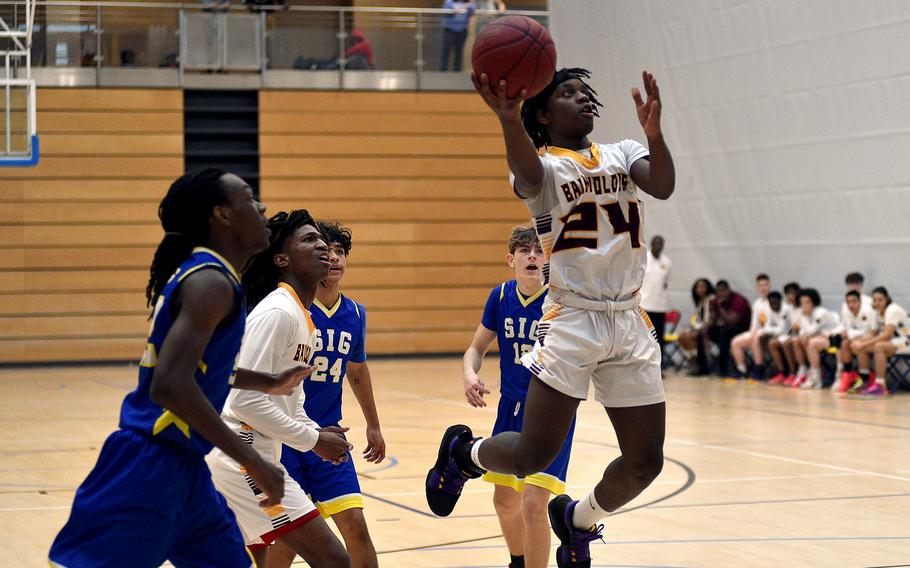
[791, 287]
[723, 283]
[812, 294]
[762, 276]
[522, 236]
[854, 278]
[775, 295]
[853, 293]
[334, 232]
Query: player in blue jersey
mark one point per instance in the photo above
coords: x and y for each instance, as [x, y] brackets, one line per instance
[150, 496]
[340, 352]
[511, 317]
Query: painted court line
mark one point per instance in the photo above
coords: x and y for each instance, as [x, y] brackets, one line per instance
[806, 462]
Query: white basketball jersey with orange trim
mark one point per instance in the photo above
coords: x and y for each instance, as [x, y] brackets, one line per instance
[280, 334]
[589, 221]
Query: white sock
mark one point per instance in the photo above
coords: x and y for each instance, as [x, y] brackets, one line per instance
[802, 370]
[474, 455]
[741, 369]
[588, 512]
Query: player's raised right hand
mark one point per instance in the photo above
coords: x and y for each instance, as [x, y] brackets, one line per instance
[267, 477]
[495, 97]
[474, 389]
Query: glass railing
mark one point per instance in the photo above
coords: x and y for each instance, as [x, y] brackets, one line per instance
[175, 44]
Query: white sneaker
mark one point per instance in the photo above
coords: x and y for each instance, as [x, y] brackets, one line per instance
[813, 381]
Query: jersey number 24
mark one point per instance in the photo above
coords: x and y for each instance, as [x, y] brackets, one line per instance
[580, 225]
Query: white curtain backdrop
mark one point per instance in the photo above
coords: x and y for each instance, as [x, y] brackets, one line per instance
[789, 123]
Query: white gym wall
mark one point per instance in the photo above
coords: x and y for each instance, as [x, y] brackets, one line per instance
[789, 123]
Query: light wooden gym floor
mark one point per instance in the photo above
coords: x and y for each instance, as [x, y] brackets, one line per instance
[755, 475]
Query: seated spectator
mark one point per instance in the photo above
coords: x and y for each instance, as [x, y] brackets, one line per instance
[770, 320]
[360, 54]
[791, 291]
[858, 323]
[779, 347]
[854, 281]
[729, 316]
[814, 322]
[746, 338]
[894, 339]
[702, 294]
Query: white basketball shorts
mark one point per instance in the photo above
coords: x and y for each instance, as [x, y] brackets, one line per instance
[260, 526]
[614, 348]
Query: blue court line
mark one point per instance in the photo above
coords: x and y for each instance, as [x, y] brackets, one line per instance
[393, 461]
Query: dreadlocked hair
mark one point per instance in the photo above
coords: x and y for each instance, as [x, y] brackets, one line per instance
[262, 275]
[335, 232]
[184, 213]
[538, 102]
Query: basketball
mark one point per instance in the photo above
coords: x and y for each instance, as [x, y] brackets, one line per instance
[517, 49]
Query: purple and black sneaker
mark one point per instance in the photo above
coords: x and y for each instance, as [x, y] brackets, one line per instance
[446, 478]
[574, 544]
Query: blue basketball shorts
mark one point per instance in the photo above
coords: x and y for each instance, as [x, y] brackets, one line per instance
[509, 417]
[333, 488]
[146, 502]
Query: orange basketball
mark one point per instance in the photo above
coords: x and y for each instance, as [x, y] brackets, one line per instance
[517, 49]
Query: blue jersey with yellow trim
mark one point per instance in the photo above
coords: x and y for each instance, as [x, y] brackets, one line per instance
[214, 374]
[514, 318]
[341, 333]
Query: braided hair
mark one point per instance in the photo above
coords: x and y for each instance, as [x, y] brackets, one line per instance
[335, 232]
[262, 275]
[538, 102]
[184, 213]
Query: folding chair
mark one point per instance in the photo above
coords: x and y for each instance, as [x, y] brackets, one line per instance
[899, 369]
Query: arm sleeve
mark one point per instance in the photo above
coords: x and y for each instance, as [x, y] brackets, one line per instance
[490, 319]
[632, 151]
[359, 353]
[545, 200]
[266, 337]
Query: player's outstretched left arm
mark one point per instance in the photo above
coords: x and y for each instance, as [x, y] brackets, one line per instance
[656, 175]
[362, 385]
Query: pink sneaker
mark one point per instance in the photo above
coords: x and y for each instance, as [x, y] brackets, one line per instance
[798, 382]
[777, 379]
[877, 390]
[847, 380]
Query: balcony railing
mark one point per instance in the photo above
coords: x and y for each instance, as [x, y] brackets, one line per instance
[150, 44]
